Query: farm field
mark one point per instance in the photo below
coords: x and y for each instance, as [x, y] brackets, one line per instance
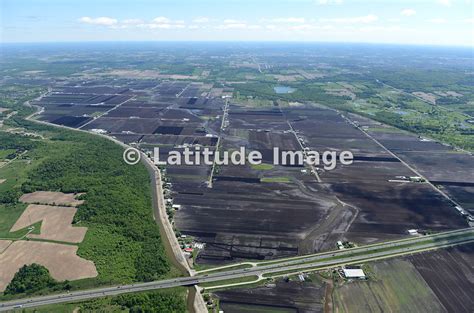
[397, 286]
[61, 260]
[449, 274]
[66, 190]
[279, 296]
[279, 210]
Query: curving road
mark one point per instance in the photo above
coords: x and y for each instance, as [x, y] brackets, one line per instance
[310, 262]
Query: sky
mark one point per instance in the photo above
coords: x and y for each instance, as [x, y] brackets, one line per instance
[430, 22]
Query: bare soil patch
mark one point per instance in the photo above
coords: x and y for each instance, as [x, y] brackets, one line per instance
[61, 261]
[4, 244]
[51, 198]
[431, 98]
[56, 223]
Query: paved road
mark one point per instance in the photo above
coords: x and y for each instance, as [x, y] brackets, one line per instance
[311, 262]
[372, 247]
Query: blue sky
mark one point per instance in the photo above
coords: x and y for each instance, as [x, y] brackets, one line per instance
[439, 22]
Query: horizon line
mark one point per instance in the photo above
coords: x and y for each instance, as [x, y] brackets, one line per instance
[242, 41]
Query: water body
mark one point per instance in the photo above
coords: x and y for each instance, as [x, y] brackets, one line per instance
[283, 89]
[401, 112]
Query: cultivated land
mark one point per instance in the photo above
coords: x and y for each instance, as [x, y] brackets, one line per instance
[296, 212]
[55, 223]
[396, 286]
[61, 260]
[406, 114]
[449, 273]
[54, 227]
[51, 198]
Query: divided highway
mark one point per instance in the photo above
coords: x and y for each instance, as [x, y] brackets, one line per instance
[278, 267]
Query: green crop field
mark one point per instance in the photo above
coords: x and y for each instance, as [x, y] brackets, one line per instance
[397, 287]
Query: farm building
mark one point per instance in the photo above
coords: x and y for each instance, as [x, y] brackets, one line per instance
[353, 273]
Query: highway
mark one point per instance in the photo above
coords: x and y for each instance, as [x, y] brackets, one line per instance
[304, 263]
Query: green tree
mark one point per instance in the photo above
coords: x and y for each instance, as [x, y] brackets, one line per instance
[30, 278]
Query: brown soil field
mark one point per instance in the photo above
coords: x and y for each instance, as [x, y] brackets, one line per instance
[51, 198]
[56, 223]
[287, 78]
[450, 274]
[2, 180]
[61, 261]
[431, 98]
[4, 244]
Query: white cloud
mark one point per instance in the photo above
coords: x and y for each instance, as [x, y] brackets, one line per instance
[408, 12]
[437, 20]
[132, 21]
[444, 2]
[302, 27]
[161, 26]
[201, 20]
[329, 2]
[469, 20]
[360, 19]
[232, 21]
[380, 28]
[104, 21]
[161, 20]
[233, 26]
[288, 20]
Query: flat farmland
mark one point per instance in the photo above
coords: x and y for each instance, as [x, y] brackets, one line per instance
[387, 211]
[66, 120]
[282, 296]
[142, 112]
[257, 119]
[266, 211]
[139, 104]
[51, 198]
[60, 259]
[120, 125]
[435, 161]
[451, 170]
[464, 195]
[450, 274]
[55, 223]
[237, 219]
[395, 286]
[75, 109]
[178, 140]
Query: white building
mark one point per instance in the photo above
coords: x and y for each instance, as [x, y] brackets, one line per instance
[353, 273]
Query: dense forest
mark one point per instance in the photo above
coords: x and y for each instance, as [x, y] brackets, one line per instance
[30, 278]
[122, 239]
[172, 301]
